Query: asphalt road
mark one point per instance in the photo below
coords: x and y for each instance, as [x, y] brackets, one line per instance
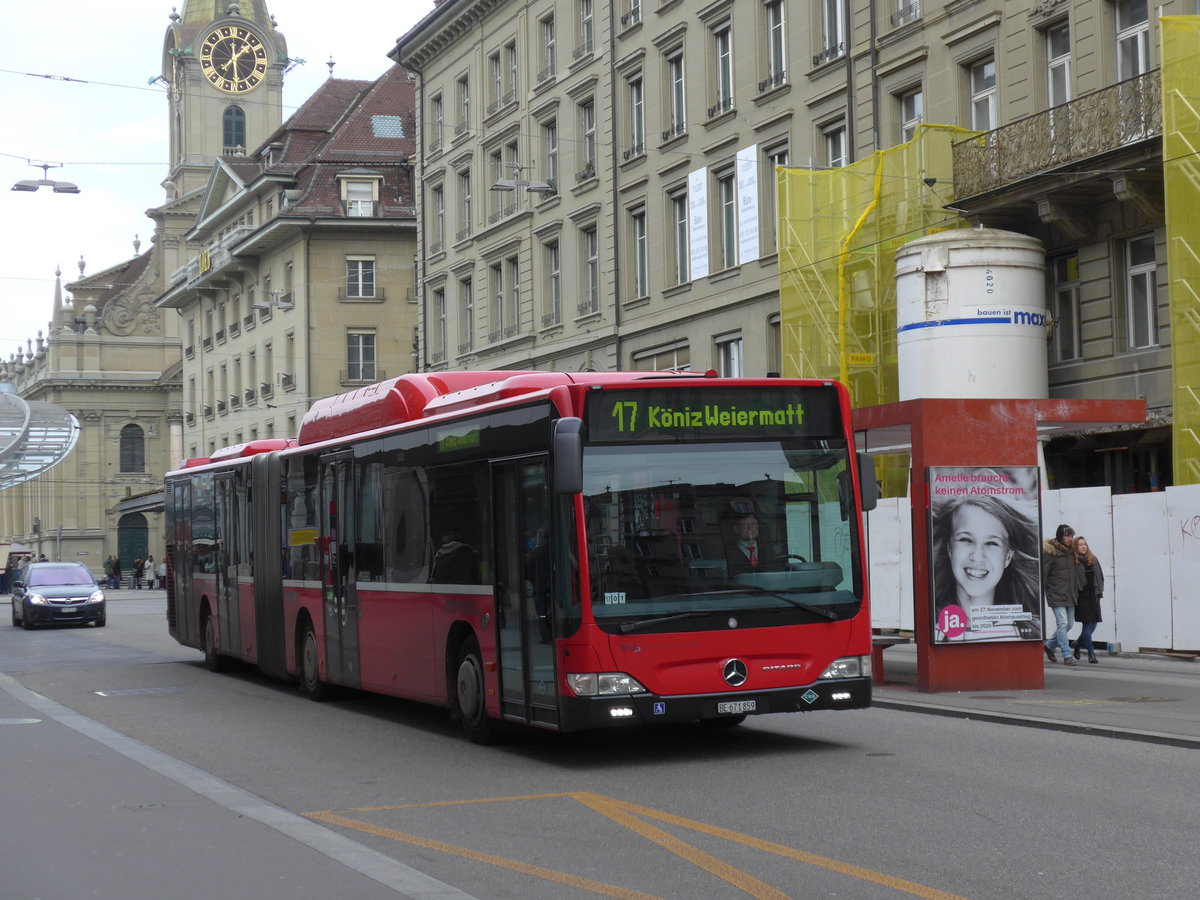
[143, 775]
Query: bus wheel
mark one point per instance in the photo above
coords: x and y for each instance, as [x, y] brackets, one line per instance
[469, 696]
[214, 660]
[310, 680]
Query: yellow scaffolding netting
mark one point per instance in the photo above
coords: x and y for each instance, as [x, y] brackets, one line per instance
[1181, 187]
[839, 230]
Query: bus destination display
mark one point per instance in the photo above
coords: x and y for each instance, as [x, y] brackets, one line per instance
[682, 414]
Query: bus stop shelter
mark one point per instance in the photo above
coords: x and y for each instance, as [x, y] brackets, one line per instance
[973, 432]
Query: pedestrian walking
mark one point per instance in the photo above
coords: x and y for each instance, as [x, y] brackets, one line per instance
[136, 574]
[1060, 584]
[1087, 601]
[110, 570]
[162, 575]
[116, 572]
[148, 572]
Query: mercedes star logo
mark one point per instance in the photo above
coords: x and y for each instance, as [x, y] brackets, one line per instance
[735, 672]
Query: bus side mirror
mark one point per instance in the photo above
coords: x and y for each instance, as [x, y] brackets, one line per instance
[868, 486]
[568, 456]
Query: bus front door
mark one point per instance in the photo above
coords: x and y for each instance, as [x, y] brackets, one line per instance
[524, 602]
[337, 541]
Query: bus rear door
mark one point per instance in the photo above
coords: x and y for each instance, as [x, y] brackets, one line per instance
[339, 600]
[524, 601]
[225, 551]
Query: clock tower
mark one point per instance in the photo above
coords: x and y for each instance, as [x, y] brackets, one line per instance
[223, 62]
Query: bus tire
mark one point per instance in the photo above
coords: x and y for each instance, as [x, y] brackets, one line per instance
[310, 679]
[212, 659]
[470, 697]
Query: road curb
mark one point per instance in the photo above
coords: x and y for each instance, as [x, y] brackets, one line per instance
[1125, 734]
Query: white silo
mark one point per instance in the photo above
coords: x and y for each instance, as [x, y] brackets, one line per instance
[971, 315]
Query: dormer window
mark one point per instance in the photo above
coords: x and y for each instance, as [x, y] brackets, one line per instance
[360, 193]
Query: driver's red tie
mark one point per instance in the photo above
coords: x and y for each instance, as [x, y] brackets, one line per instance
[753, 555]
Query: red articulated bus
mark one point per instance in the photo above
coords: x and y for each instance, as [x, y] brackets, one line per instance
[562, 550]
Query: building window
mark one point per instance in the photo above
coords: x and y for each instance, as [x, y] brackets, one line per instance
[437, 116]
[360, 276]
[776, 34]
[776, 157]
[496, 171]
[1065, 340]
[729, 358]
[550, 149]
[983, 95]
[727, 199]
[591, 272]
[775, 344]
[637, 117]
[1133, 38]
[510, 72]
[1058, 64]
[497, 80]
[676, 95]
[437, 219]
[634, 16]
[1141, 291]
[133, 450]
[585, 28]
[496, 273]
[553, 314]
[912, 113]
[674, 358]
[437, 327]
[360, 356]
[464, 203]
[723, 68]
[360, 198]
[512, 307]
[549, 49]
[641, 253]
[466, 320]
[233, 130]
[836, 151]
[587, 130]
[679, 236]
[833, 31]
[464, 105]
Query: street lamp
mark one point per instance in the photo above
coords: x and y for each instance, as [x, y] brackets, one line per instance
[511, 184]
[59, 187]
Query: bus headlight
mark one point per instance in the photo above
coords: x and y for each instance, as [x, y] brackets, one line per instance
[848, 667]
[602, 684]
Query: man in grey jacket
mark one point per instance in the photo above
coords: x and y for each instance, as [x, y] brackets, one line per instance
[1060, 582]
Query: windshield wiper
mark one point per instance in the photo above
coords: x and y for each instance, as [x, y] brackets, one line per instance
[626, 627]
[738, 588]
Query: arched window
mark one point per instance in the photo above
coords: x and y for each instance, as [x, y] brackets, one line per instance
[133, 449]
[235, 129]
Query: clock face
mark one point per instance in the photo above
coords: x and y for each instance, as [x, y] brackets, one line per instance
[233, 59]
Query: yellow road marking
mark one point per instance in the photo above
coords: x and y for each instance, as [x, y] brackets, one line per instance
[899, 884]
[586, 884]
[624, 813]
[614, 810]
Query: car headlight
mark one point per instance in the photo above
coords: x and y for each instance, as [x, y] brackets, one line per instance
[36, 598]
[602, 684]
[848, 667]
[96, 597]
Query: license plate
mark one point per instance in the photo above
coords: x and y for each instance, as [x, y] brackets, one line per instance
[67, 609]
[736, 707]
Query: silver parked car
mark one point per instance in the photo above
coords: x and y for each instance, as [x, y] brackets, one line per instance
[65, 592]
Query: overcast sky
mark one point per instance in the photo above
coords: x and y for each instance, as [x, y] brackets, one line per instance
[108, 126]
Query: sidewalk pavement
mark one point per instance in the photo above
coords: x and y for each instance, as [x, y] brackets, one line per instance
[1137, 697]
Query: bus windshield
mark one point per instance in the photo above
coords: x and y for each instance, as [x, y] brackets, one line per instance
[763, 531]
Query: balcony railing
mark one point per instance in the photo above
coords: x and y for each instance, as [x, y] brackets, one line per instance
[1105, 120]
[772, 81]
[906, 14]
[836, 51]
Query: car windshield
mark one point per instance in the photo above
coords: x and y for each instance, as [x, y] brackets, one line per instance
[64, 575]
[684, 532]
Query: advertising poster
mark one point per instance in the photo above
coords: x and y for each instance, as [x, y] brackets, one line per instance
[985, 544]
